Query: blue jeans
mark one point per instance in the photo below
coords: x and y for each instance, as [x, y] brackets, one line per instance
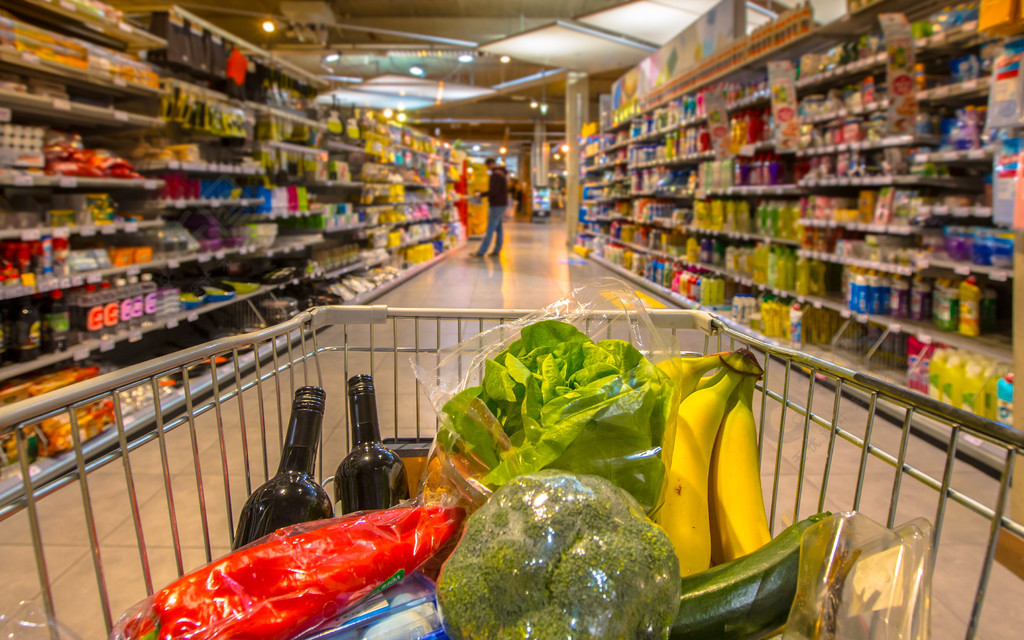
[494, 223]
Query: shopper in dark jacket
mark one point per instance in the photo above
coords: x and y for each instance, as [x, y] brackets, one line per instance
[497, 202]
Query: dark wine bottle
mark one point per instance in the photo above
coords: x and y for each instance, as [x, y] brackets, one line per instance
[371, 476]
[291, 496]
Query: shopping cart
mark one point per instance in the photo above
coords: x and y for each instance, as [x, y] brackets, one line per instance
[157, 492]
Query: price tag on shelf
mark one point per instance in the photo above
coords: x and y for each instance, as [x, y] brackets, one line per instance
[173, 264]
[106, 344]
[940, 210]
[896, 327]
[76, 281]
[219, 255]
[962, 269]
[969, 85]
[939, 92]
[65, 283]
[87, 231]
[30, 235]
[295, 281]
[203, 257]
[107, 229]
[747, 150]
[172, 323]
[151, 184]
[998, 276]
[949, 156]
[846, 313]
[862, 317]
[131, 226]
[119, 81]
[133, 270]
[120, 116]
[192, 316]
[179, 204]
[5, 114]
[124, 26]
[67, 182]
[817, 304]
[23, 181]
[79, 354]
[977, 154]
[924, 338]
[61, 104]
[134, 335]
[29, 57]
[94, 278]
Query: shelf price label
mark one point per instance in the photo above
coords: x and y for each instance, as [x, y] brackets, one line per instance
[120, 116]
[67, 182]
[962, 269]
[5, 114]
[135, 335]
[79, 354]
[192, 316]
[106, 344]
[23, 181]
[998, 276]
[61, 104]
[30, 235]
[87, 231]
[172, 323]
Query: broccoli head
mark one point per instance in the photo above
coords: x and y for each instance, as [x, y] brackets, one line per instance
[557, 556]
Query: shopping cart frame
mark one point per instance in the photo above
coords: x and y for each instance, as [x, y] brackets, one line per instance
[297, 343]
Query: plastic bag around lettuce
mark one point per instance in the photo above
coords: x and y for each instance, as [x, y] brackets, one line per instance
[295, 580]
[28, 621]
[572, 387]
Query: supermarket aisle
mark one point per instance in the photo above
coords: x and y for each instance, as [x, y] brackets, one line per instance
[535, 270]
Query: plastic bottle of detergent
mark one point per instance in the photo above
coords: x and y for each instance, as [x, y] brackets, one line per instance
[796, 316]
[970, 307]
[937, 372]
[942, 305]
[972, 386]
[899, 297]
[952, 381]
[1004, 411]
[920, 299]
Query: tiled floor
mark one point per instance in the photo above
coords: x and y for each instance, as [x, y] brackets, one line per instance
[534, 270]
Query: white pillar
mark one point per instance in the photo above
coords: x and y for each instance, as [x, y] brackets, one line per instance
[577, 112]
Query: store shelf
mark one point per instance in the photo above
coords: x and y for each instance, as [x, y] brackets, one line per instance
[340, 271]
[964, 268]
[605, 165]
[689, 158]
[960, 184]
[130, 36]
[651, 136]
[661, 194]
[868, 227]
[335, 184]
[285, 115]
[753, 191]
[876, 265]
[740, 235]
[94, 81]
[339, 146]
[971, 156]
[36, 108]
[966, 90]
[214, 168]
[912, 140]
[974, 211]
[406, 275]
[34, 233]
[291, 147]
[211, 203]
[39, 180]
[758, 99]
[606, 183]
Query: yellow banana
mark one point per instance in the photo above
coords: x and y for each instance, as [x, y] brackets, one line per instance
[684, 513]
[739, 524]
[687, 372]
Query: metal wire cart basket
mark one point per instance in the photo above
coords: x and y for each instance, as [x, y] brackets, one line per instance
[136, 476]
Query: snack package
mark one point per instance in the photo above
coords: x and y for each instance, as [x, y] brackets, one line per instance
[572, 386]
[859, 579]
[295, 580]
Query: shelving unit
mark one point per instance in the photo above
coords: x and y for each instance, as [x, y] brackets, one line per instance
[605, 209]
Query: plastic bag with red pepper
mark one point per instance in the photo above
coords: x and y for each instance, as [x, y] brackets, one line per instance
[295, 579]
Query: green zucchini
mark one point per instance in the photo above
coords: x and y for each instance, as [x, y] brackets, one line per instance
[747, 598]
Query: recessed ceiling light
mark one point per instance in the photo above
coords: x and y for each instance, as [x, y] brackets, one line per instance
[466, 57]
[476, 147]
[533, 104]
[268, 26]
[565, 148]
[505, 59]
[388, 113]
[416, 71]
[544, 109]
[503, 151]
[557, 157]
[332, 57]
[401, 106]
[401, 117]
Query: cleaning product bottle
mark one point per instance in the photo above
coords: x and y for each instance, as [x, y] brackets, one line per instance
[899, 298]
[972, 385]
[920, 299]
[796, 315]
[936, 373]
[989, 305]
[970, 307]
[1005, 402]
[952, 381]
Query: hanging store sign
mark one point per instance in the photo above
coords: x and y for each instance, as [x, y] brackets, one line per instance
[718, 123]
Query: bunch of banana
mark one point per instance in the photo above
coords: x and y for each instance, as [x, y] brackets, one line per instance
[713, 508]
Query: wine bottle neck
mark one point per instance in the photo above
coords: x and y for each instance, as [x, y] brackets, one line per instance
[301, 442]
[364, 418]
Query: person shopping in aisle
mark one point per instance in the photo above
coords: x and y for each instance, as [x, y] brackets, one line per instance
[497, 202]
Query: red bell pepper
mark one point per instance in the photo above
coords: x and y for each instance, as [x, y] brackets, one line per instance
[293, 582]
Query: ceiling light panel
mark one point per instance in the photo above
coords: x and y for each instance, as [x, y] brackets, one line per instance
[647, 20]
[557, 45]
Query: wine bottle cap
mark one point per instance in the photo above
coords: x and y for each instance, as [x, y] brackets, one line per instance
[360, 384]
[309, 399]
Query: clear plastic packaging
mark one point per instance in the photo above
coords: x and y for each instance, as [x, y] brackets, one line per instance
[405, 611]
[294, 580]
[860, 580]
[557, 555]
[29, 622]
[572, 386]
